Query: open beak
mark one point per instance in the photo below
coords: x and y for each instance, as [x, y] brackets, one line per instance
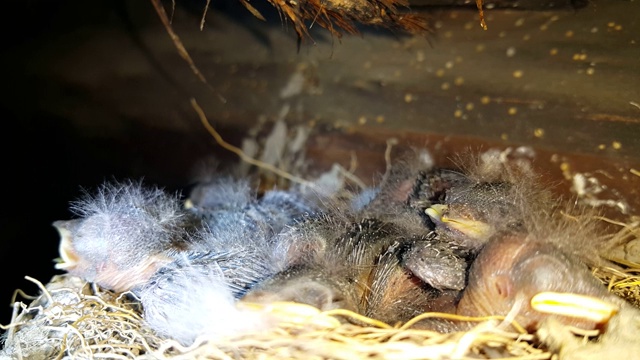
[68, 259]
[574, 305]
[470, 228]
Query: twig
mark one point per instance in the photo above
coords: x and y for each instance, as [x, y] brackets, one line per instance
[181, 49]
[387, 158]
[204, 14]
[239, 152]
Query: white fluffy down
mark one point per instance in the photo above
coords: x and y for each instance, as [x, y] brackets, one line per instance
[192, 302]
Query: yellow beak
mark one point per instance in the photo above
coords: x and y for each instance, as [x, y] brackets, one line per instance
[471, 228]
[574, 305]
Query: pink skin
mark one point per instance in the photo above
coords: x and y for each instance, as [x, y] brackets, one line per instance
[511, 269]
[97, 260]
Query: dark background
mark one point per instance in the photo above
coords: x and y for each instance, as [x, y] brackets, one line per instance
[49, 155]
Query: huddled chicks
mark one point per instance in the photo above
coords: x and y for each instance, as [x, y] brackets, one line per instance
[186, 264]
[485, 239]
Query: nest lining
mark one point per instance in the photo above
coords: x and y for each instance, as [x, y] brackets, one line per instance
[72, 319]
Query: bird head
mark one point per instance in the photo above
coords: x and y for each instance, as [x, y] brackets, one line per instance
[529, 280]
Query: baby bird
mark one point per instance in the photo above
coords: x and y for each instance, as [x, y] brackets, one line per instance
[525, 243]
[411, 186]
[441, 265]
[495, 195]
[408, 193]
[513, 269]
[398, 186]
[223, 192]
[126, 232]
[224, 202]
[333, 267]
[123, 234]
[472, 213]
[351, 265]
[186, 269]
[195, 295]
[495, 208]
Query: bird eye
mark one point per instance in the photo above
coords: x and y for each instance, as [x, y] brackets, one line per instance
[502, 286]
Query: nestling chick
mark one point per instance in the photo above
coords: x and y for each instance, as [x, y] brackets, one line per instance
[514, 267]
[441, 265]
[226, 202]
[355, 266]
[396, 295]
[472, 213]
[333, 268]
[183, 302]
[186, 274]
[220, 193]
[122, 235]
[397, 186]
[410, 187]
[196, 294]
[126, 232]
[534, 244]
[495, 195]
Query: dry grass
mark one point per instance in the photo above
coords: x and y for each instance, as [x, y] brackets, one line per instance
[74, 320]
[624, 283]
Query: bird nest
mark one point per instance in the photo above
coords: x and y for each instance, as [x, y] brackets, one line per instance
[624, 281]
[72, 319]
